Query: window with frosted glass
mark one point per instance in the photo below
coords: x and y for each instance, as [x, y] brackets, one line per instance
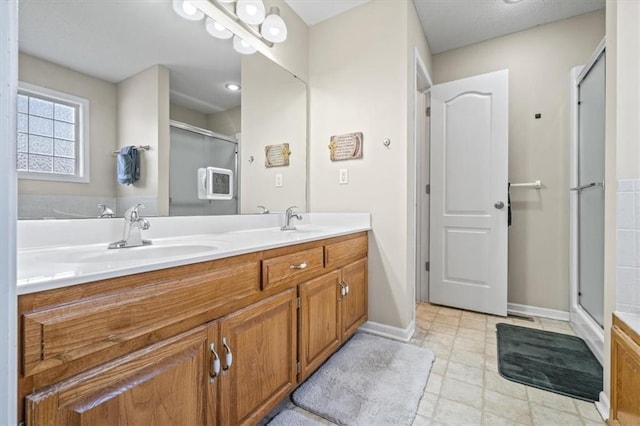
[48, 135]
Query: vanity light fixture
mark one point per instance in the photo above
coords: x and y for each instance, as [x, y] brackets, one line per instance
[274, 28]
[233, 87]
[217, 30]
[246, 23]
[251, 12]
[242, 46]
[187, 10]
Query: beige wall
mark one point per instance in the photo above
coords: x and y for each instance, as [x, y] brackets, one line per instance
[292, 54]
[539, 61]
[143, 119]
[102, 119]
[187, 116]
[359, 81]
[227, 122]
[274, 111]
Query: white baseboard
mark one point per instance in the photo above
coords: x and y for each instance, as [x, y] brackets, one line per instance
[602, 406]
[389, 331]
[534, 311]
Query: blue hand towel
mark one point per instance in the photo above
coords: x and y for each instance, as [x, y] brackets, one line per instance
[128, 165]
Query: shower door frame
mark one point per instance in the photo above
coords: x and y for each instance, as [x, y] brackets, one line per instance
[584, 325]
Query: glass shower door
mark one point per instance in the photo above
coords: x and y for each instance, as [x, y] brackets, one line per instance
[590, 189]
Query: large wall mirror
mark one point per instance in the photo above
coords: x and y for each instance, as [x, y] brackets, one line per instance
[102, 75]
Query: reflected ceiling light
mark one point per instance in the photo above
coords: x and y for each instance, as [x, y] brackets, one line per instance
[274, 28]
[233, 87]
[187, 10]
[250, 11]
[242, 46]
[217, 30]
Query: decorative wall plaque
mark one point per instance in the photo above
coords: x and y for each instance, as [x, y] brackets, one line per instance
[346, 147]
[276, 155]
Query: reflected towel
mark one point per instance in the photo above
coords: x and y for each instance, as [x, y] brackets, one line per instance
[128, 165]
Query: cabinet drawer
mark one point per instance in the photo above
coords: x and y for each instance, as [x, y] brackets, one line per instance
[341, 253]
[292, 266]
[62, 333]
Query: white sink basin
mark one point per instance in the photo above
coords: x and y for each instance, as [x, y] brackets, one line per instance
[151, 252]
[99, 253]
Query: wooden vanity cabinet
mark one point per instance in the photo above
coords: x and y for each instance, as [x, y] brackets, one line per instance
[164, 383]
[262, 341]
[625, 374]
[142, 349]
[332, 307]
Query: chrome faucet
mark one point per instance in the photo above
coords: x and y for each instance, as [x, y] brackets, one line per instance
[133, 227]
[288, 215]
[105, 211]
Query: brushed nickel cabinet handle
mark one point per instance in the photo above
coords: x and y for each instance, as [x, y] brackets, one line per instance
[215, 363]
[303, 265]
[228, 356]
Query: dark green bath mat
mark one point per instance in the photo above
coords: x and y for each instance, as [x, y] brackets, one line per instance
[551, 361]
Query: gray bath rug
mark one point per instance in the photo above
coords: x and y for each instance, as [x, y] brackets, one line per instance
[369, 381]
[293, 418]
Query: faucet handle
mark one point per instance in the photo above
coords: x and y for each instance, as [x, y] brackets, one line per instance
[263, 209]
[132, 213]
[290, 209]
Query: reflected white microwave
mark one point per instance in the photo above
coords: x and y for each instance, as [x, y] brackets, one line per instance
[215, 183]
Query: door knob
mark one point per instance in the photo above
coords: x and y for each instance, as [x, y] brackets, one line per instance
[499, 205]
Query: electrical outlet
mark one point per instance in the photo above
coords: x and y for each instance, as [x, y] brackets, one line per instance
[344, 177]
[279, 180]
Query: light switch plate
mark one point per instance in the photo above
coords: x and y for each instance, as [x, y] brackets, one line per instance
[344, 177]
[279, 180]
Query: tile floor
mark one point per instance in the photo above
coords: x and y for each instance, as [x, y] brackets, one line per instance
[464, 386]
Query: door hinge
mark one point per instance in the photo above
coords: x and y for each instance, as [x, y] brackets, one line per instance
[298, 302]
[428, 111]
[426, 266]
[428, 189]
[298, 367]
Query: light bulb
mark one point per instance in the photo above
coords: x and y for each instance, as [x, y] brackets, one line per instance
[232, 86]
[187, 10]
[217, 30]
[251, 12]
[274, 28]
[242, 46]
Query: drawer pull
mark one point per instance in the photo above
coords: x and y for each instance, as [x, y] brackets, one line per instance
[228, 356]
[303, 265]
[215, 364]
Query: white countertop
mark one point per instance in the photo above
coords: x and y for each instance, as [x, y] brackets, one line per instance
[631, 319]
[46, 261]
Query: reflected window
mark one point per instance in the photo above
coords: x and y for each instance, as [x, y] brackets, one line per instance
[51, 140]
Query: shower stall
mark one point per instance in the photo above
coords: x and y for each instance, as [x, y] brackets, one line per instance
[192, 148]
[587, 200]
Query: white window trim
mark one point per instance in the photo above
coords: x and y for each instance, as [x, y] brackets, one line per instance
[84, 175]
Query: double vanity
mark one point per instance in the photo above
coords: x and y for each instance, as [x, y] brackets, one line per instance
[215, 322]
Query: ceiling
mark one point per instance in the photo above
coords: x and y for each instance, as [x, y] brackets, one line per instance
[314, 11]
[113, 40]
[449, 24]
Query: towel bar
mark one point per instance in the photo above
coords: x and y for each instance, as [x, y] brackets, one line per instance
[140, 148]
[537, 185]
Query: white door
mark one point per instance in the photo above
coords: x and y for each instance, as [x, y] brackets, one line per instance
[469, 178]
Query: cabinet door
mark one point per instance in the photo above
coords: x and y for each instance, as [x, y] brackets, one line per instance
[625, 377]
[319, 321]
[354, 304]
[261, 340]
[162, 384]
